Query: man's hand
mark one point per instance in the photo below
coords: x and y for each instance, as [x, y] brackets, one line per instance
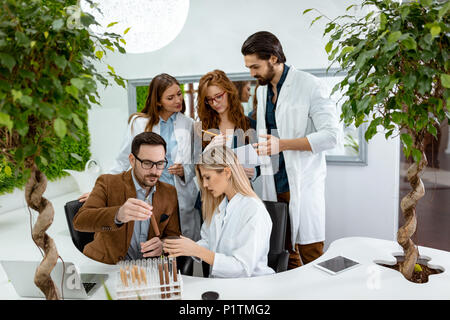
[177, 169]
[152, 247]
[269, 147]
[134, 210]
[84, 197]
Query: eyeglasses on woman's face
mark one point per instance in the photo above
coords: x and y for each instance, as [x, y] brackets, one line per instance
[217, 98]
[148, 164]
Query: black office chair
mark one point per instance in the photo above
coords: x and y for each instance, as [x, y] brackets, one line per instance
[278, 256]
[79, 239]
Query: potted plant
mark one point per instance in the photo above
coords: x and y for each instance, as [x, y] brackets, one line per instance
[46, 74]
[396, 59]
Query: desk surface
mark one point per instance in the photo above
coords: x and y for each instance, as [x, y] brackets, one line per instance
[367, 281]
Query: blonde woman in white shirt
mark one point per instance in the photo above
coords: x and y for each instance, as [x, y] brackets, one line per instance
[235, 235]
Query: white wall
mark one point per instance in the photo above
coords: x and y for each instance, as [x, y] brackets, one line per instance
[364, 201]
[16, 199]
[211, 39]
[361, 201]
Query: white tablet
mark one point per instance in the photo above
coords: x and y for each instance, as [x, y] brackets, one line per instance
[337, 265]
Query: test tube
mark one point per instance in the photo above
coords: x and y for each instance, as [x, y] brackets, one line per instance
[143, 275]
[166, 275]
[127, 268]
[133, 276]
[155, 226]
[175, 274]
[153, 220]
[125, 272]
[161, 278]
[154, 274]
[137, 275]
[123, 277]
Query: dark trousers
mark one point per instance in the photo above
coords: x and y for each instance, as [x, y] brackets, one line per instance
[302, 253]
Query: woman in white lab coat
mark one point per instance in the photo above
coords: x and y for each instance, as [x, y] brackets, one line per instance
[163, 114]
[235, 235]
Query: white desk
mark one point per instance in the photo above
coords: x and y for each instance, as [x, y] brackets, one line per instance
[368, 281]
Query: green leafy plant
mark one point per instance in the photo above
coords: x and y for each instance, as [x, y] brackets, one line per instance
[107, 293]
[397, 62]
[351, 142]
[47, 77]
[141, 97]
[70, 154]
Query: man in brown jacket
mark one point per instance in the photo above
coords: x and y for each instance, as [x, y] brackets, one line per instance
[119, 207]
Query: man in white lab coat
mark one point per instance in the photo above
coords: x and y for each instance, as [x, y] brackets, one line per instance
[296, 121]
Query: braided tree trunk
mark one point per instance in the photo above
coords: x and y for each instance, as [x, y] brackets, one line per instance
[408, 206]
[34, 190]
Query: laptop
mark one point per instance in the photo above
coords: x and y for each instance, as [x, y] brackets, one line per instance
[75, 285]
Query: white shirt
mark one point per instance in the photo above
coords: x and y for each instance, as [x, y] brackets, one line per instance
[239, 234]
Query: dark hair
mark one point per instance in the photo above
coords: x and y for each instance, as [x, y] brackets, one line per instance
[149, 138]
[255, 103]
[264, 44]
[157, 87]
[240, 85]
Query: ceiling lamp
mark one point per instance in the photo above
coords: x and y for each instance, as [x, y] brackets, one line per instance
[153, 23]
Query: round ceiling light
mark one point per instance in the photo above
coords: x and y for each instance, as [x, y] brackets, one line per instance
[153, 23]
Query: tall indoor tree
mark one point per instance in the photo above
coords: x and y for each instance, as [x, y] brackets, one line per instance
[47, 56]
[396, 60]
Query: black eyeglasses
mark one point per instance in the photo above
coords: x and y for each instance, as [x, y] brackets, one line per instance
[148, 164]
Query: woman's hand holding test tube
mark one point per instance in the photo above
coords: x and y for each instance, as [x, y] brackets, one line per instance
[187, 247]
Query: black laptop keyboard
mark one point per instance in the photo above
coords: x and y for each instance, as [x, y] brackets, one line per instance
[88, 286]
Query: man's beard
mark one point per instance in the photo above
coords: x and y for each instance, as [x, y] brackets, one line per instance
[145, 184]
[262, 81]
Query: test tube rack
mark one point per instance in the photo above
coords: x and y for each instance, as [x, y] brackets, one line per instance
[149, 279]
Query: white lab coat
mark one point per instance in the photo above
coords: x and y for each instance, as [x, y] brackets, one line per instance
[304, 109]
[239, 234]
[187, 190]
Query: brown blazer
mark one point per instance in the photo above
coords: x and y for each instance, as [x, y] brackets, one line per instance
[111, 241]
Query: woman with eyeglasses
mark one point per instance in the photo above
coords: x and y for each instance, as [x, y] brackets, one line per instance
[235, 235]
[221, 114]
[163, 114]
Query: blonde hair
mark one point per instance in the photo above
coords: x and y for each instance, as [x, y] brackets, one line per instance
[218, 158]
